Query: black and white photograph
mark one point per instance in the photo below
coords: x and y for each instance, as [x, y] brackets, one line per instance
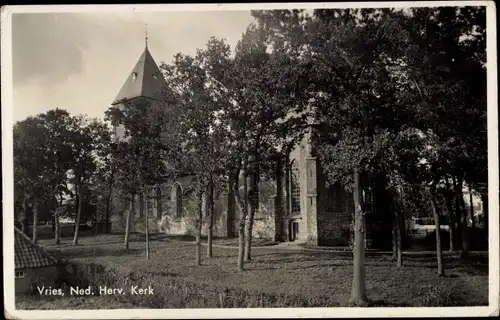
[250, 160]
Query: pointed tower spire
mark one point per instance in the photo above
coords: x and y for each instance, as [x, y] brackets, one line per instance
[145, 80]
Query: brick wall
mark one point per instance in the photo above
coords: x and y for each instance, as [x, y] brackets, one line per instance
[46, 277]
[335, 218]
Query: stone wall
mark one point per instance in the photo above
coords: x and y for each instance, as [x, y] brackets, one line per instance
[298, 156]
[186, 224]
[334, 221]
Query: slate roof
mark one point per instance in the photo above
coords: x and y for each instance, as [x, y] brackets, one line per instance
[29, 255]
[145, 79]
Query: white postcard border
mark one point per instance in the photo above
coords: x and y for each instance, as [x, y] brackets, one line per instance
[7, 172]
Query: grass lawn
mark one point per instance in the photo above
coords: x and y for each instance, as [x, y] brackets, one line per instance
[273, 278]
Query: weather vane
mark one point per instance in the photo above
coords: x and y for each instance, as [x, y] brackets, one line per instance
[146, 34]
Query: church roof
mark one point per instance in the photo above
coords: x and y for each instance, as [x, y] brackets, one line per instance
[145, 79]
[29, 255]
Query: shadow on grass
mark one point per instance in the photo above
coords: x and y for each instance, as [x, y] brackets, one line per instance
[86, 252]
[329, 265]
[104, 239]
[189, 238]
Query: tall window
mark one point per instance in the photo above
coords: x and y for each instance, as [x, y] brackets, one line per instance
[177, 199]
[295, 187]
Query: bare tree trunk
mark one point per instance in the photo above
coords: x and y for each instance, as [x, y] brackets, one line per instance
[57, 226]
[199, 224]
[108, 210]
[108, 213]
[108, 200]
[210, 212]
[471, 207]
[146, 223]
[141, 205]
[79, 200]
[484, 200]
[278, 202]
[358, 290]
[396, 231]
[35, 219]
[127, 223]
[231, 206]
[439, 251]
[460, 204]
[245, 188]
[24, 217]
[159, 209]
[399, 227]
[243, 214]
[399, 241]
[449, 206]
[287, 206]
[254, 204]
[465, 230]
[394, 240]
[458, 223]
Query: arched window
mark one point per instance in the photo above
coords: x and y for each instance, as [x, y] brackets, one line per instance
[177, 200]
[295, 187]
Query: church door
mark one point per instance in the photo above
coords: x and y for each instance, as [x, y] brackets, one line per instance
[295, 226]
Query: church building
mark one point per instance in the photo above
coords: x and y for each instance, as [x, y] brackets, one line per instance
[301, 207]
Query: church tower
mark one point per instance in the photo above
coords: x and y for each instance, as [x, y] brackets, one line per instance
[144, 82]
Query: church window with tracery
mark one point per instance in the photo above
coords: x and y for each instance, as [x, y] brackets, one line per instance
[177, 200]
[295, 187]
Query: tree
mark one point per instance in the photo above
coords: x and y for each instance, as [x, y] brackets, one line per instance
[355, 104]
[201, 131]
[439, 251]
[450, 43]
[57, 123]
[260, 89]
[27, 165]
[41, 159]
[104, 179]
[87, 137]
[136, 153]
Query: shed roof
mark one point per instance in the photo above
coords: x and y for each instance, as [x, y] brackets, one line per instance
[28, 254]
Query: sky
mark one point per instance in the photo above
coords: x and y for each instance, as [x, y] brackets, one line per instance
[79, 61]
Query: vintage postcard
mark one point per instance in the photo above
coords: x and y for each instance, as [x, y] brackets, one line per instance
[250, 160]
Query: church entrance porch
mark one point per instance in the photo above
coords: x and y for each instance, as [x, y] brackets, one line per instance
[294, 229]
